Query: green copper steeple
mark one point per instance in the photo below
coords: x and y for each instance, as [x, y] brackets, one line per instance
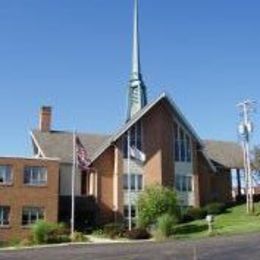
[137, 98]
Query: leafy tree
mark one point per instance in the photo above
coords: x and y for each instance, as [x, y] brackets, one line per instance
[154, 202]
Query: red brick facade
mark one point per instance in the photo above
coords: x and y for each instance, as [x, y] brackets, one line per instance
[18, 195]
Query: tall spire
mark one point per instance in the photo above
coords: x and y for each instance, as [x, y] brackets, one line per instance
[136, 68]
[137, 98]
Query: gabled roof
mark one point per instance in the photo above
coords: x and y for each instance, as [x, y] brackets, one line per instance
[140, 114]
[227, 154]
[59, 144]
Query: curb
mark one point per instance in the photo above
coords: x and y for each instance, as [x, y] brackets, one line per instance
[74, 244]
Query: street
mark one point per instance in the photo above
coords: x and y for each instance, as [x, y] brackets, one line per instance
[236, 247]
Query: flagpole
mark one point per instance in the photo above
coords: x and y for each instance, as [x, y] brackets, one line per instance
[129, 182]
[72, 227]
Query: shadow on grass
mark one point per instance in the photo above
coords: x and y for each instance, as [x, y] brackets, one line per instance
[189, 229]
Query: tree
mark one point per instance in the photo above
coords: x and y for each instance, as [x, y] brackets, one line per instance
[154, 202]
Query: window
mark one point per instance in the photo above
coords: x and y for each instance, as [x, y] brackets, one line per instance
[188, 148]
[31, 215]
[136, 182]
[176, 138]
[34, 175]
[5, 174]
[4, 216]
[183, 183]
[182, 146]
[133, 211]
[135, 138]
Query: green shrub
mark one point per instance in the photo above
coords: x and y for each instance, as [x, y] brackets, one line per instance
[215, 208]
[153, 202]
[166, 224]
[195, 213]
[137, 233]
[46, 232]
[26, 242]
[14, 242]
[114, 230]
[79, 237]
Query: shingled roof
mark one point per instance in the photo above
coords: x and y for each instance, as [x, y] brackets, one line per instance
[58, 144]
[228, 154]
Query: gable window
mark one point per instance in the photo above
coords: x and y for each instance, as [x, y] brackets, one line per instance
[176, 139]
[183, 183]
[4, 216]
[31, 215]
[136, 182]
[135, 134]
[182, 146]
[188, 148]
[35, 175]
[5, 174]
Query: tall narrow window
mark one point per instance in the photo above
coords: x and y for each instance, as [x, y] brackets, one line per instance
[4, 216]
[5, 174]
[188, 148]
[139, 135]
[182, 143]
[135, 138]
[176, 142]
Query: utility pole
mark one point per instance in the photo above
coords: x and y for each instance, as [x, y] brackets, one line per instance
[245, 130]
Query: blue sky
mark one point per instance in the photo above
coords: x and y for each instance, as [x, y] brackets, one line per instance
[76, 55]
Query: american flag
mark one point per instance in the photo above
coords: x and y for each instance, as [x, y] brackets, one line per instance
[83, 161]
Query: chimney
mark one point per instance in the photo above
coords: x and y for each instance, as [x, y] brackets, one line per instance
[45, 119]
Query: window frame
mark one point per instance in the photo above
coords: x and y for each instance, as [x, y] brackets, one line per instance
[136, 138]
[184, 183]
[30, 209]
[2, 215]
[135, 178]
[5, 182]
[182, 144]
[40, 181]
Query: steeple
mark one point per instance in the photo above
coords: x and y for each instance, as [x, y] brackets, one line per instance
[137, 98]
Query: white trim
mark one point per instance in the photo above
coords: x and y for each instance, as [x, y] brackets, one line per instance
[37, 144]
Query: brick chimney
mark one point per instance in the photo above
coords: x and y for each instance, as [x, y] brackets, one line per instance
[45, 119]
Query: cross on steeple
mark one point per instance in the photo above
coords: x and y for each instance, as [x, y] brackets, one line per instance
[137, 98]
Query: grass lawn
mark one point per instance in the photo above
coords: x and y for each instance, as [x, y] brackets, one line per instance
[234, 221]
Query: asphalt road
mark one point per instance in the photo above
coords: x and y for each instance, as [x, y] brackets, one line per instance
[238, 247]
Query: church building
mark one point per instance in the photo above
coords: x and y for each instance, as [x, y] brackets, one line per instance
[171, 154]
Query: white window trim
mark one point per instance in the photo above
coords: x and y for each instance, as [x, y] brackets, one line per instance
[39, 183]
[30, 214]
[11, 176]
[186, 184]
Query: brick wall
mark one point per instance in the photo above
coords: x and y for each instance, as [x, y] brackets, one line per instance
[18, 195]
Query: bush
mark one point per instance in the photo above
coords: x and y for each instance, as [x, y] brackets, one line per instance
[26, 242]
[114, 230]
[153, 203]
[79, 237]
[166, 224]
[14, 242]
[45, 232]
[137, 233]
[215, 208]
[194, 214]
